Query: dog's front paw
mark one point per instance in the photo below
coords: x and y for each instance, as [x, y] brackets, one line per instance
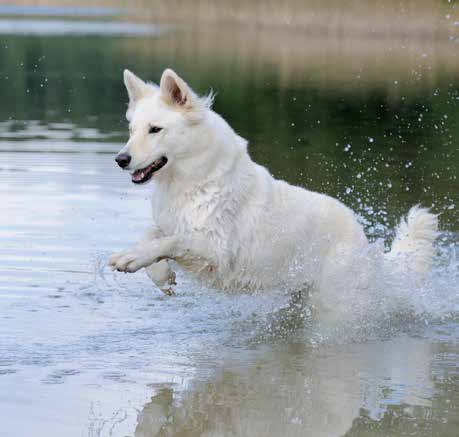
[163, 276]
[114, 258]
[129, 261]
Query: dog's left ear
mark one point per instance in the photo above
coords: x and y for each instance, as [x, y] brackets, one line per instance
[175, 91]
[136, 89]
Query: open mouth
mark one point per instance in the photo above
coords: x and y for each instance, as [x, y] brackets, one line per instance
[144, 174]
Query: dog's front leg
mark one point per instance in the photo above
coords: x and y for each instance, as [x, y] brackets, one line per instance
[160, 272]
[143, 254]
[162, 275]
[151, 234]
[179, 247]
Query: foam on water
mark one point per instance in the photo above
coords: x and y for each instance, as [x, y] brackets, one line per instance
[392, 301]
[372, 300]
[355, 307]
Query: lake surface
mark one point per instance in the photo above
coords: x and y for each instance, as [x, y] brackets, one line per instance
[88, 352]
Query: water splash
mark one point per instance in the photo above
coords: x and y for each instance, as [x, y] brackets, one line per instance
[359, 307]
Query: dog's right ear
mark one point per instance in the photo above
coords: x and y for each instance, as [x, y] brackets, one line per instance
[136, 89]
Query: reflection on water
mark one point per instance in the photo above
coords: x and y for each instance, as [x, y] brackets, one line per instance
[288, 389]
[374, 123]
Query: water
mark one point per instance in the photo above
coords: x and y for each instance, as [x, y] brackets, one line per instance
[87, 352]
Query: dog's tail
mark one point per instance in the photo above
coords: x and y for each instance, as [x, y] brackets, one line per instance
[413, 246]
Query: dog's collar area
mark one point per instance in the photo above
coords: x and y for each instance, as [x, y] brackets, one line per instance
[144, 174]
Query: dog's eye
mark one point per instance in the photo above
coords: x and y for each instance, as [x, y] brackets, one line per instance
[154, 129]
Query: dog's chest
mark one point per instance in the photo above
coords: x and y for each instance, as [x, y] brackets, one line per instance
[179, 216]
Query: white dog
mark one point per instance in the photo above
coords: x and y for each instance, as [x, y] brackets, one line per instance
[223, 217]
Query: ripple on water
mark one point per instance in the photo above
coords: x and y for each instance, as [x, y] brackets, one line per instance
[59, 376]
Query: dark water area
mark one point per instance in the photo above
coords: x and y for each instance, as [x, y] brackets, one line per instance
[397, 131]
[87, 352]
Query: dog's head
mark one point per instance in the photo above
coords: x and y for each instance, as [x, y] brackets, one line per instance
[166, 126]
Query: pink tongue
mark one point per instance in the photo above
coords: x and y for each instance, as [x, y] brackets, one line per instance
[138, 175]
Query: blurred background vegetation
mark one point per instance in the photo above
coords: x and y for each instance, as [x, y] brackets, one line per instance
[383, 18]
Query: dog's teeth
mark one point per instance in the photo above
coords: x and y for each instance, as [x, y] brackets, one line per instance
[142, 174]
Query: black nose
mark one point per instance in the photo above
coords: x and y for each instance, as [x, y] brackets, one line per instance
[123, 159]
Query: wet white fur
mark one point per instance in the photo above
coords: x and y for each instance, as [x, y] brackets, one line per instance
[224, 218]
[413, 244]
